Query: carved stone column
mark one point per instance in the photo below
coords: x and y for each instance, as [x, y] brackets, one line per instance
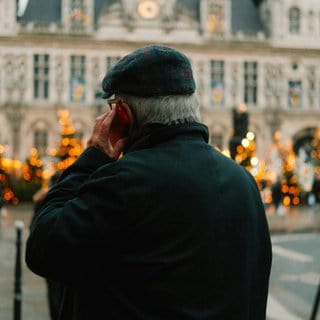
[273, 92]
[14, 113]
[16, 86]
[234, 85]
[59, 83]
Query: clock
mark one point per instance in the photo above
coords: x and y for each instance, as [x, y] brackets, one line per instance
[148, 9]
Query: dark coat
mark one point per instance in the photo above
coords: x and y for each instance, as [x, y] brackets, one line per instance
[173, 230]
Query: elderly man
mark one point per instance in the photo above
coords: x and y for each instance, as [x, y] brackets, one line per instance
[151, 222]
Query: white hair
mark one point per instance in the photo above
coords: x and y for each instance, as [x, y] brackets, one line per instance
[163, 109]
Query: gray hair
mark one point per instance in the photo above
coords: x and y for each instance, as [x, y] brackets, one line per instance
[163, 109]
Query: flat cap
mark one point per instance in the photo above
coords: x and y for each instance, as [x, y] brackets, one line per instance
[154, 70]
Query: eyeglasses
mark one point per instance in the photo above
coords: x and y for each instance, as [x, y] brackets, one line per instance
[112, 102]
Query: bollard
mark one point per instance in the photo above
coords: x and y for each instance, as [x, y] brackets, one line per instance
[316, 304]
[17, 302]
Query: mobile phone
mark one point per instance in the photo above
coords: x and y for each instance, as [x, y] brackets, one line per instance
[120, 124]
[123, 117]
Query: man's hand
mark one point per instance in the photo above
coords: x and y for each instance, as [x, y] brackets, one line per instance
[100, 137]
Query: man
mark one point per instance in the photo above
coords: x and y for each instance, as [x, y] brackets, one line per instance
[151, 222]
[54, 289]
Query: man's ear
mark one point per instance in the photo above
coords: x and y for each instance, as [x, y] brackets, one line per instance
[126, 108]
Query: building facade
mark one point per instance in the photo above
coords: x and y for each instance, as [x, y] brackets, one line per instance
[264, 54]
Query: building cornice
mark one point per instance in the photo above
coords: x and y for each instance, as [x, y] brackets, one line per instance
[227, 46]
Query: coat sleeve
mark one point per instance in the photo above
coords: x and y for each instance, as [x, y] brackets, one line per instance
[78, 221]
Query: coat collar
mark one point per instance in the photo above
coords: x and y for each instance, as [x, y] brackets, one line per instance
[154, 134]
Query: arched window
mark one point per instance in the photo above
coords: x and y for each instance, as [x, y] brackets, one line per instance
[294, 20]
[40, 142]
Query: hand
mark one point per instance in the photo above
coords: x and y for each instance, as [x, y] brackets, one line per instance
[100, 137]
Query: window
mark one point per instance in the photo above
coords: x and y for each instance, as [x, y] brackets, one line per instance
[41, 140]
[77, 78]
[294, 20]
[250, 82]
[41, 76]
[217, 82]
[267, 21]
[78, 16]
[295, 94]
[216, 18]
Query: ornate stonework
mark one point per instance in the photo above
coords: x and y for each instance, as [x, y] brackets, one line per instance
[204, 29]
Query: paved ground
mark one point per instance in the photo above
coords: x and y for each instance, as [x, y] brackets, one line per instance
[34, 305]
[34, 290]
[296, 219]
[295, 276]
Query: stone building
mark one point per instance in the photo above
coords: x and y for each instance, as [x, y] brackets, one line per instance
[261, 53]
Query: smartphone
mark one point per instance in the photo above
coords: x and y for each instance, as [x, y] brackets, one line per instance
[123, 117]
[120, 124]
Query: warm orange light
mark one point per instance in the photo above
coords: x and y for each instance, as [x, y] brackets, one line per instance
[277, 135]
[27, 176]
[61, 166]
[286, 201]
[17, 164]
[239, 149]
[6, 162]
[65, 141]
[238, 158]
[8, 195]
[63, 113]
[296, 201]
[292, 190]
[293, 180]
[46, 174]
[52, 152]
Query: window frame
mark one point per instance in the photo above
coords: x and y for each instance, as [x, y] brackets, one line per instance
[41, 140]
[250, 75]
[41, 76]
[217, 75]
[78, 71]
[294, 17]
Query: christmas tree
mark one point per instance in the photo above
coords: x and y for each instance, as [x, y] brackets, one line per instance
[246, 152]
[69, 146]
[30, 178]
[6, 193]
[281, 173]
[290, 188]
[242, 143]
[32, 168]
